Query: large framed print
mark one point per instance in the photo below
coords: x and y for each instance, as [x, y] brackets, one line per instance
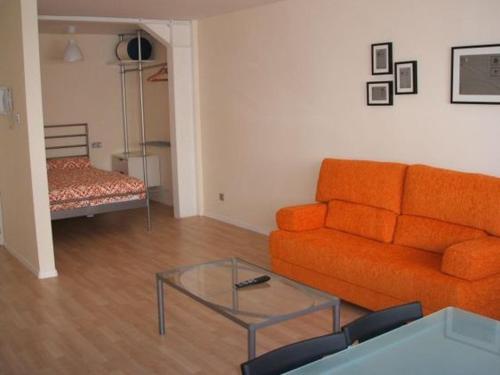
[379, 93]
[475, 74]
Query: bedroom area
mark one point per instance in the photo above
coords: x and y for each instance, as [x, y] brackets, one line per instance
[105, 123]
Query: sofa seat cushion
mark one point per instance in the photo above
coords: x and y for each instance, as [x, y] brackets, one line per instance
[370, 222]
[372, 183]
[402, 272]
[432, 235]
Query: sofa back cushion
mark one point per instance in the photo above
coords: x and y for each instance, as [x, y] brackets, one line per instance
[370, 222]
[370, 183]
[461, 198]
[432, 235]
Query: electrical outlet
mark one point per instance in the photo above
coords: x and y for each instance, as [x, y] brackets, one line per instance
[5, 101]
[221, 197]
[96, 144]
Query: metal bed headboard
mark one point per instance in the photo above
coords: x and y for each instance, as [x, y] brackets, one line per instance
[66, 140]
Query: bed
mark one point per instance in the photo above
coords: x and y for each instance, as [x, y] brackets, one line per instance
[76, 188]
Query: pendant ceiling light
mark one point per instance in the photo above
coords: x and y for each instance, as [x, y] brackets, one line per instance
[72, 53]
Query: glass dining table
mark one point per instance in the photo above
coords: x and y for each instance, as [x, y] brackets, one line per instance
[450, 341]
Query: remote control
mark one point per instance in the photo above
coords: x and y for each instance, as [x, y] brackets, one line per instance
[257, 280]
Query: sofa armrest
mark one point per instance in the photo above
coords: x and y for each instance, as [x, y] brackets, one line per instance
[473, 260]
[300, 218]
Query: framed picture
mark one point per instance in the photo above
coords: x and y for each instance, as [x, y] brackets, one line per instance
[405, 77]
[382, 58]
[475, 74]
[379, 93]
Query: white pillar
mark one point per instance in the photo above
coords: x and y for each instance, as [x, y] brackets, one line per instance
[33, 87]
[177, 37]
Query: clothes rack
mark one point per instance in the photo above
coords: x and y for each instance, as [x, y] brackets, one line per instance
[147, 67]
[123, 72]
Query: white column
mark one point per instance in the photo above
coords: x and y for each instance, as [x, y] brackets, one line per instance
[177, 36]
[34, 122]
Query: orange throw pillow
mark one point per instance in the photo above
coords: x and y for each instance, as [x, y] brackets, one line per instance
[473, 260]
[370, 222]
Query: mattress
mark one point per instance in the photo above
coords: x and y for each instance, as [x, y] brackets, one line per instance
[74, 183]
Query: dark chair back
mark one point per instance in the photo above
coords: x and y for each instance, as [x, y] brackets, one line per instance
[294, 355]
[378, 322]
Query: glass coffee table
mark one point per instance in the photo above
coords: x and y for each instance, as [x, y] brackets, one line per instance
[252, 307]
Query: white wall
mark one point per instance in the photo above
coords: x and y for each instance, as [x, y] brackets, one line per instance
[282, 86]
[23, 178]
[87, 91]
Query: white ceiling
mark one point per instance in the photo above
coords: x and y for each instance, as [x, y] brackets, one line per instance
[154, 9]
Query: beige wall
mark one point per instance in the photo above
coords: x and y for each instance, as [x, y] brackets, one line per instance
[283, 86]
[23, 180]
[89, 91]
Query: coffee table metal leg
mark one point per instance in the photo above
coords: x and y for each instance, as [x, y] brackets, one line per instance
[251, 342]
[161, 305]
[336, 317]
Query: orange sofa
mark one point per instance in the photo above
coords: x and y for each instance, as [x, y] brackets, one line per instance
[383, 234]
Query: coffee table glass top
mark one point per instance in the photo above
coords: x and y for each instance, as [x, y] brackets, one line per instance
[213, 284]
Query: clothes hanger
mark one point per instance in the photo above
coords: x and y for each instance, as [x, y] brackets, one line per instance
[159, 76]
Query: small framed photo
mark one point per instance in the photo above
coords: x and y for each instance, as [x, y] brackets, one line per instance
[405, 77]
[475, 74]
[381, 58]
[379, 93]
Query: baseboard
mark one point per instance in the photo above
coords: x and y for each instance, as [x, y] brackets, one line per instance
[38, 273]
[47, 274]
[236, 223]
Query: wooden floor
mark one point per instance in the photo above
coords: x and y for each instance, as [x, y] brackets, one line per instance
[99, 315]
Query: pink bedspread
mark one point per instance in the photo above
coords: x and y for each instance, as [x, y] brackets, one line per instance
[83, 185]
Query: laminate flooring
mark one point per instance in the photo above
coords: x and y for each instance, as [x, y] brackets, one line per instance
[100, 316]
